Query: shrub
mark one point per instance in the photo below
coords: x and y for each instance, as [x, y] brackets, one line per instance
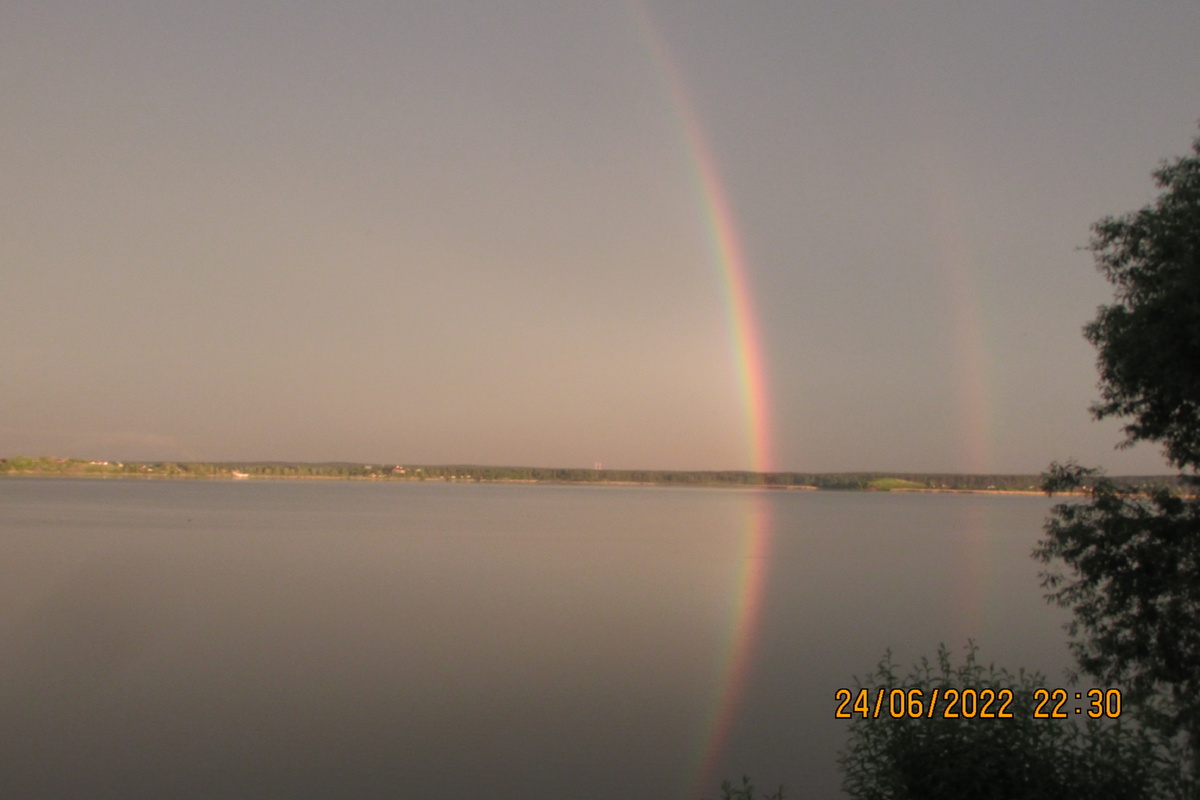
[1022, 758]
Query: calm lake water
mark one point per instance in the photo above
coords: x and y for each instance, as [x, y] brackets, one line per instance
[370, 640]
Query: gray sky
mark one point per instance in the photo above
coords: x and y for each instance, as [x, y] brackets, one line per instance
[450, 231]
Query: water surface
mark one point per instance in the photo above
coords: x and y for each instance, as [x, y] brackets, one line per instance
[352, 639]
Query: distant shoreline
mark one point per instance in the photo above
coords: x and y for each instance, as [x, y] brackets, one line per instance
[915, 483]
[517, 481]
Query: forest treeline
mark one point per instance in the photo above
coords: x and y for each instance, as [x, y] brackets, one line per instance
[845, 481]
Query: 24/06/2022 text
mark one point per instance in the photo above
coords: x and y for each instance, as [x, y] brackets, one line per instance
[971, 703]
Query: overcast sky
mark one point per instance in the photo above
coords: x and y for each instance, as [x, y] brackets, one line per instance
[464, 232]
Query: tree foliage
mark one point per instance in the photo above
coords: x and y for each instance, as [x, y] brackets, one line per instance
[747, 791]
[1022, 758]
[1149, 339]
[1133, 553]
[1134, 589]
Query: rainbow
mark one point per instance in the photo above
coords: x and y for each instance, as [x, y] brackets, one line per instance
[954, 253]
[726, 248]
[745, 613]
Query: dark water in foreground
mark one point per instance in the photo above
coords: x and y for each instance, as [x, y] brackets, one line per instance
[359, 640]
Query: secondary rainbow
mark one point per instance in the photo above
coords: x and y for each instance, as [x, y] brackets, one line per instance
[754, 544]
[954, 249]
